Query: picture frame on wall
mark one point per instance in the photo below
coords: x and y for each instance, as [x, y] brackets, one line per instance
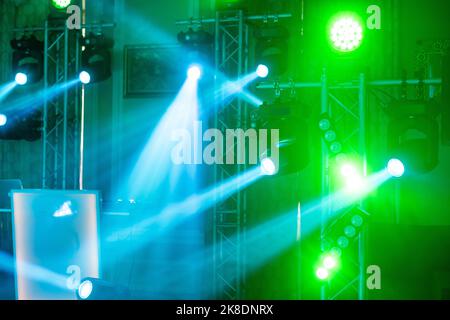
[151, 70]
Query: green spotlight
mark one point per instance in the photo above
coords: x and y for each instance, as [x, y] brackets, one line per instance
[348, 170]
[322, 273]
[346, 33]
[61, 4]
[350, 231]
[357, 221]
[343, 242]
[330, 261]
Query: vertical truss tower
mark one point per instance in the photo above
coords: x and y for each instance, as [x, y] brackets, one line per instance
[61, 113]
[346, 105]
[231, 56]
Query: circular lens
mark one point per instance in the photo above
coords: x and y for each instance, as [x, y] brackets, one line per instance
[268, 167]
[336, 147]
[343, 242]
[21, 78]
[357, 221]
[396, 168]
[330, 136]
[336, 251]
[348, 170]
[85, 289]
[350, 231]
[322, 273]
[85, 77]
[324, 124]
[262, 71]
[3, 120]
[194, 72]
[330, 262]
[346, 34]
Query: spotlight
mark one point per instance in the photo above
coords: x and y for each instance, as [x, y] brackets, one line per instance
[322, 273]
[27, 60]
[96, 58]
[3, 119]
[272, 48]
[85, 77]
[348, 170]
[350, 231]
[262, 71]
[286, 117]
[330, 261]
[197, 47]
[268, 167]
[324, 124]
[413, 134]
[61, 4]
[85, 289]
[353, 179]
[21, 78]
[395, 168]
[96, 289]
[357, 221]
[343, 242]
[194, 72]
[346, 33]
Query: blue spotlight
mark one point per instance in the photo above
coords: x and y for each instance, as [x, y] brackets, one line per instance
[97, 289]
[395, 168]
[3, 120]
[194, 72]
[85, 77]
[262, 71]
[21, 78]
[85, 289]
[268, 167]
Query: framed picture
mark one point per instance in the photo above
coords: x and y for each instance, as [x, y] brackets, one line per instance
[152, 70]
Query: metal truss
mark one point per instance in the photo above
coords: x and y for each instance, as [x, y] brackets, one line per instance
[61, 113]
[229, 216]
[346, 103]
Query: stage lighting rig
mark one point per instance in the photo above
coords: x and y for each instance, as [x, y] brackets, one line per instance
[96, 58]
[27, 60]
[341, 235]
[413, 134]
[272, 48]
[293, 147]
[199, 47]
